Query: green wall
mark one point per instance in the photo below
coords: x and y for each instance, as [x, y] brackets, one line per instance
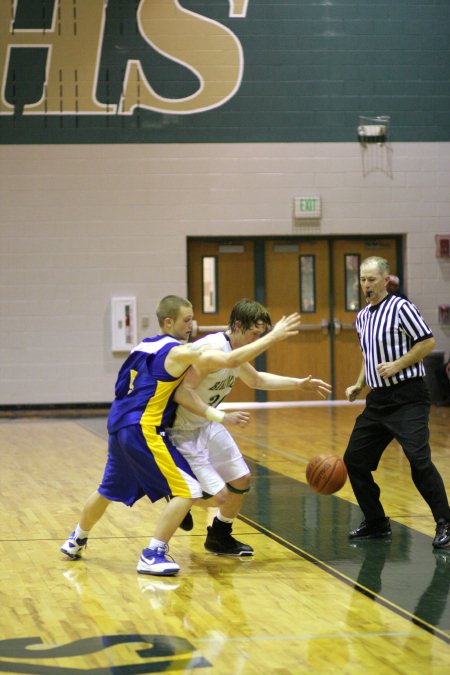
[308, 70]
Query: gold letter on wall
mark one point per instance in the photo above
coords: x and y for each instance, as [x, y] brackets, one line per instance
[203, 46]
[74, 44]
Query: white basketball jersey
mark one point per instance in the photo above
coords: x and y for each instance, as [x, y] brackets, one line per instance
[213, 389]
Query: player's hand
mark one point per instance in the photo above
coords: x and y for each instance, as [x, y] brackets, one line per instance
[388, 369]
[286, 326]
[352, 392]
[236, 419]
[317, 386]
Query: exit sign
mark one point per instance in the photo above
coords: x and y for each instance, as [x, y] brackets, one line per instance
[307, 207]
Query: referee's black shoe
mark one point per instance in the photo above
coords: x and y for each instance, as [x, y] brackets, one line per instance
[379, 529]
[442, 537]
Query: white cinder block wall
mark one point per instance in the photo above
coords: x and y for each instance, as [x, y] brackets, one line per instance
[82, 223]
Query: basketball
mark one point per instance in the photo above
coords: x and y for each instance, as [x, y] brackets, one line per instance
[326, 474]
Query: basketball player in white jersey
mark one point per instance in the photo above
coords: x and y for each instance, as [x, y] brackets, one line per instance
[206, 444]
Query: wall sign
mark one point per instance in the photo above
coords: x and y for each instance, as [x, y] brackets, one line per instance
[307, 207]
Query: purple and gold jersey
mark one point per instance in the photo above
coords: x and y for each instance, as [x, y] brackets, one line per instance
[143, 392]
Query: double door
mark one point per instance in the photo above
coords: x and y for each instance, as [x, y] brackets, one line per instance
[318, 277]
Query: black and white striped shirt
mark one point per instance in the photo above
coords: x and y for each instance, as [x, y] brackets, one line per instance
[386, 332]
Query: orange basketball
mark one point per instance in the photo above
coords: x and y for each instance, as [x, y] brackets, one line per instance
[326, 474]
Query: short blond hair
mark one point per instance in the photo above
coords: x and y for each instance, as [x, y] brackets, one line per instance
[169, 307]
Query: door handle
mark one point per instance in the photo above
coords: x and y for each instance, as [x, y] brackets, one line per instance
[196, 329]
[323, 326]
[339, 326]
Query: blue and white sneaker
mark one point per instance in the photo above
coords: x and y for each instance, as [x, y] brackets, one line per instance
[155, 561]
[74, 547]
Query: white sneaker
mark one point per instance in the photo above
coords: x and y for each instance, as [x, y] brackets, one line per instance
[155, 561]
[74, 547]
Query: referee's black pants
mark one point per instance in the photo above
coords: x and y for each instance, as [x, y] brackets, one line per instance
[399, 412]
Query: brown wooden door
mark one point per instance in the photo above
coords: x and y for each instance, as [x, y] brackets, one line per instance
[297, 279]
[346, 253]
[234, 279]
[317, 277]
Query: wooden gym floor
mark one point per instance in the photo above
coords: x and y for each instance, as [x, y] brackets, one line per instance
[308, 602]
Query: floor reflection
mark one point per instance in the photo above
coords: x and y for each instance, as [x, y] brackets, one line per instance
[405, 570]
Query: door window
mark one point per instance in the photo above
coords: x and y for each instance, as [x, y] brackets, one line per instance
[209, 284]
[351, 270]
[307, 283]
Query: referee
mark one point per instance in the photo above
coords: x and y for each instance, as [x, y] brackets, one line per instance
[394, 339]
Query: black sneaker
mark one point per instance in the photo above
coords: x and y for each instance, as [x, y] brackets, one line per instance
[377, 530]
[442, 537]
[220, 542]
[188, 522]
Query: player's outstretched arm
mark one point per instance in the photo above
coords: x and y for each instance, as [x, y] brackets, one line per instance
[286, 327]
[270, 381]
[315, 386]
[208, 360]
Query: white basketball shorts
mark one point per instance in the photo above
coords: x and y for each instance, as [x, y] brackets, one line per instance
[212, 455]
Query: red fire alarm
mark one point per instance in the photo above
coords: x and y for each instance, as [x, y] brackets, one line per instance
[442, 245]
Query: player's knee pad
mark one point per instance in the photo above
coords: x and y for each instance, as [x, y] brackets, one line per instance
[237, 491]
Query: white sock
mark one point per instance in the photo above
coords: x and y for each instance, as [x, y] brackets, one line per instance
[222, 518]
[156, 543]
[80, 533]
